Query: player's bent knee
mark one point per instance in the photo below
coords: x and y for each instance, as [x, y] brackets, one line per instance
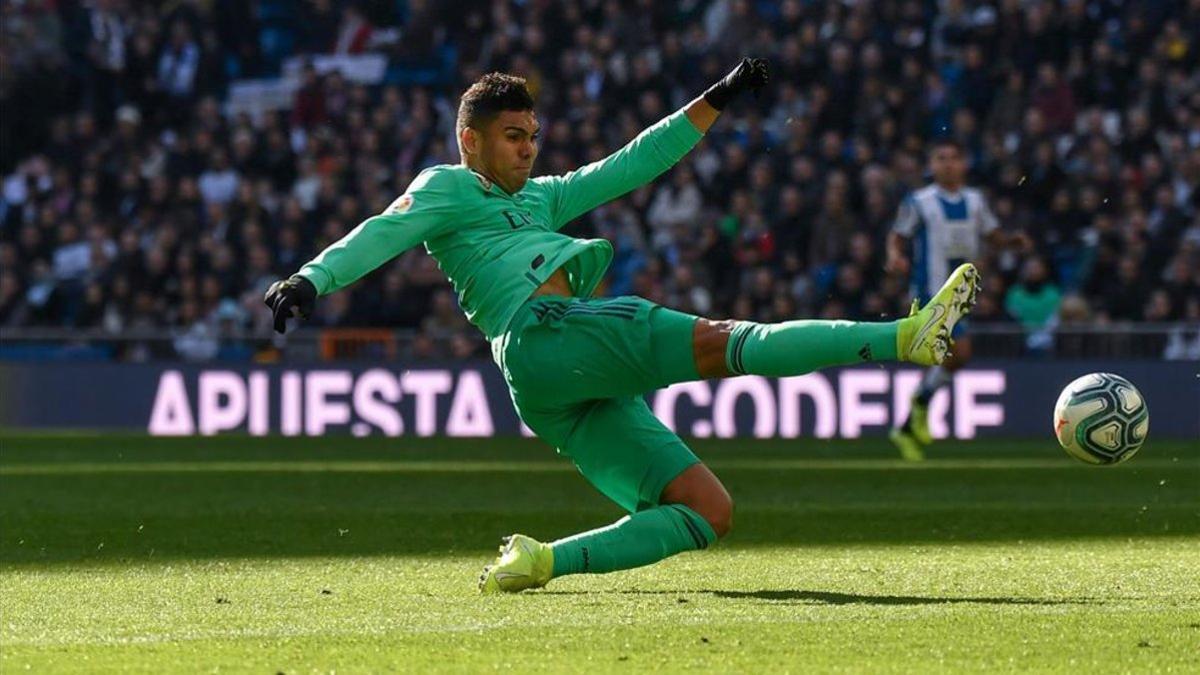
[719, 515]
[701, 491]
[716, 507]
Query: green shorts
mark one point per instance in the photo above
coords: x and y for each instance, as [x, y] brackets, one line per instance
[577, 370]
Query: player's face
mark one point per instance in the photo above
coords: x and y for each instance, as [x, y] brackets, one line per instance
[949, 167]
[508, 146]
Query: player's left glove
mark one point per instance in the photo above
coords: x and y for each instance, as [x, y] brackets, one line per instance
[750, 74]
[294, 296]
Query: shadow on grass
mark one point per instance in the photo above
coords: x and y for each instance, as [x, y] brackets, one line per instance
[833, 598]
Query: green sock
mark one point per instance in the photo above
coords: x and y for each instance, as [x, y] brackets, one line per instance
[633, 541]
[798, 347]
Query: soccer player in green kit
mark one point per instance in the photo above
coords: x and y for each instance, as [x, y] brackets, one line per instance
[577, 366]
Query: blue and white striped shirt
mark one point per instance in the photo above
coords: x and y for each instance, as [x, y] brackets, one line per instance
[946, 229]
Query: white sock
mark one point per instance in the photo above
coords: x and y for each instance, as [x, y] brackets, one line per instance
[935, 378]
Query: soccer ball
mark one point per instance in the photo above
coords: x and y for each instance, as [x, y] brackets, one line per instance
[1101, 418]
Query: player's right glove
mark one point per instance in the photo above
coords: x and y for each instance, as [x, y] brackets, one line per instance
[294, 296]
[750, 74]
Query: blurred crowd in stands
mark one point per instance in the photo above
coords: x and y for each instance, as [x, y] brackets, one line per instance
[132, 199]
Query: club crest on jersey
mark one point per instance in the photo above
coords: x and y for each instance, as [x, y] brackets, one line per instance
[401, 205]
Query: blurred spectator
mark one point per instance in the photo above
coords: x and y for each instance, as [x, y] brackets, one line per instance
[106, 49]
[1053, 98]
[1034, 302]
[308, 108]
[178, 63]
[135, 195]
[1125, 294]
[219, 182]
[354, 31]
[1074, 310]
[677, 204]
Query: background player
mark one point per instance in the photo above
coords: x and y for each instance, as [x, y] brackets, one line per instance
[944, 225]
[578, 367]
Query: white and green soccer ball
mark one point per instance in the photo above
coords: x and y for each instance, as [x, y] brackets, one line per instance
[1101, 418]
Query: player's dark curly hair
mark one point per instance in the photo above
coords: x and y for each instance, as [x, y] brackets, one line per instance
[491, 94]
[947, 142]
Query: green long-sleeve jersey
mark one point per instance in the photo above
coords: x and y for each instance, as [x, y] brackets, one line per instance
[495, 247]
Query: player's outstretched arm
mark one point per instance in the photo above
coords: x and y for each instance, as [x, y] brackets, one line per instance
[423, 212]
[655, 150]
[897, 254]
[908, 219]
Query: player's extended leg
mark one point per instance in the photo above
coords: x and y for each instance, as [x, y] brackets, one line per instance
[676, 504]
[577, 371]
[911, 437]
[575, 350]
[797, 347]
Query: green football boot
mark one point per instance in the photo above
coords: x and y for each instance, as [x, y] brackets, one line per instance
[918, 422]
[524, 562]
[924, 337]
[910, 448]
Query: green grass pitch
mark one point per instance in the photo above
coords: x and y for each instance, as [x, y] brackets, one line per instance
[360, 555]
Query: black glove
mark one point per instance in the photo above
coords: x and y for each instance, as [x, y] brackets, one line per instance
[288, 296]
[751, 74]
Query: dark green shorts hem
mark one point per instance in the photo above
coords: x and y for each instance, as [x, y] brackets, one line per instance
[659, 475]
